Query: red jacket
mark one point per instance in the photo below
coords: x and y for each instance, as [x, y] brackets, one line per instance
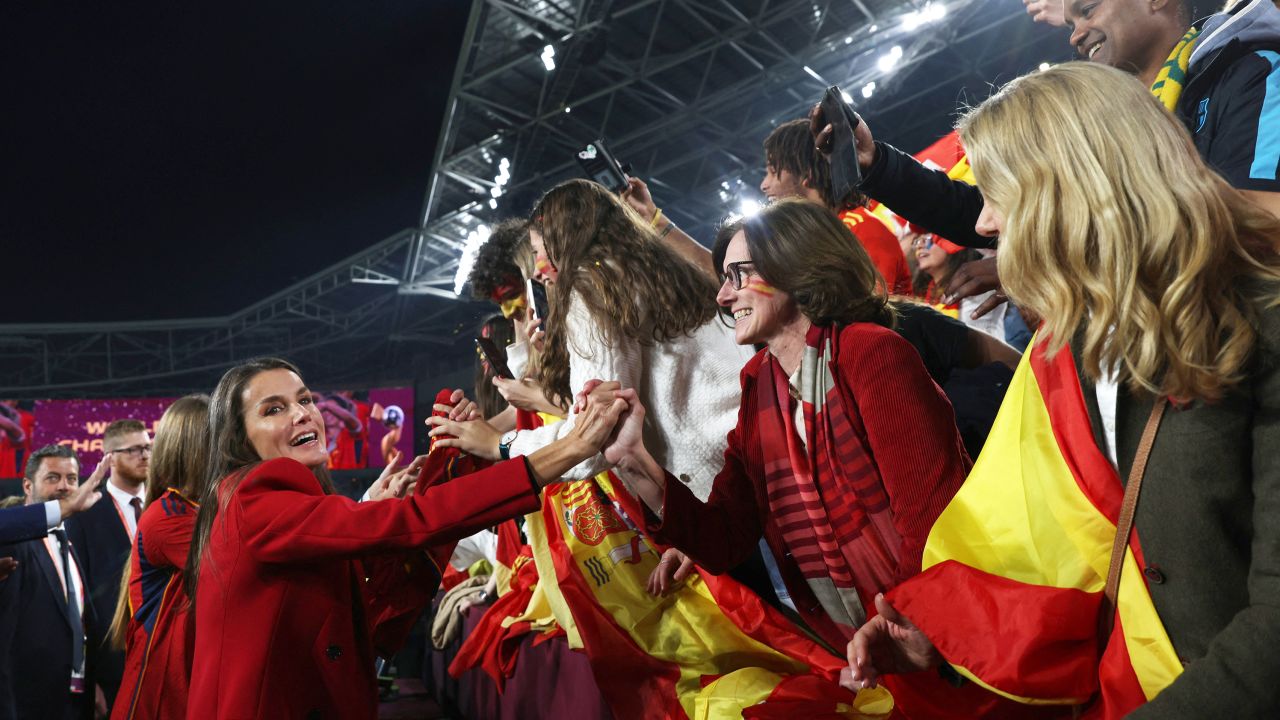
[158, 641]
[903, 420]
[283, 623]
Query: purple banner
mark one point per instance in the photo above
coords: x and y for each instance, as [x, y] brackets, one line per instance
[79, 423]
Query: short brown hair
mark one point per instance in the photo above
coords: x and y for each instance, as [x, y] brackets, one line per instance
[790, 147]
[122, 427]
[805, 251]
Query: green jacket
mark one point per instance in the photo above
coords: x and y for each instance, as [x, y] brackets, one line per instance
[1208, 520]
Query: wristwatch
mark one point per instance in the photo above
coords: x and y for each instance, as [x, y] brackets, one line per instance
[504, 444]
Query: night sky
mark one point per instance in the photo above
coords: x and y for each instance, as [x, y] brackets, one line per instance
[166, 160]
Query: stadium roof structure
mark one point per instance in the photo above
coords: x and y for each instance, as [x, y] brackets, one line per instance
[682, 91]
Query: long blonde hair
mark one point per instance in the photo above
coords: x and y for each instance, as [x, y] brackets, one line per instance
[178, 460]
[1115, 228]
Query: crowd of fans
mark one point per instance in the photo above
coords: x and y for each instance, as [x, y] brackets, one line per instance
[823, 467]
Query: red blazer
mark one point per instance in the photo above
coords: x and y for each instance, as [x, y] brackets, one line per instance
[158, 641]
[903, 420]
[284, 627]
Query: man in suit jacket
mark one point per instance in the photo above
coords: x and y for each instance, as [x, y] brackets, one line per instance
[29, 522]
[104, 537]
[44, 674]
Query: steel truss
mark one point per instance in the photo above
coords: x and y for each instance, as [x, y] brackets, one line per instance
[683, 90]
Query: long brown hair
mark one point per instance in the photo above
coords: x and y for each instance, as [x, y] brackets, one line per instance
[179, 459]
[632, 284]
[230, 454]
[803, 250]
[1116, 230]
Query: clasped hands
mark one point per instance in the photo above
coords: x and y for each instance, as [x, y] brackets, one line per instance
[606, 418]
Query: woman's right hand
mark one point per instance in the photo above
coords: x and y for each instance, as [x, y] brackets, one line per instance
[597, 422]
[628, 439]
[524, 394]
[672, 570]
[888, 644]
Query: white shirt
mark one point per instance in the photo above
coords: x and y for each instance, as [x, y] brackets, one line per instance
[1107, 391]
[51, 543]
[123, 500]
[690, 388]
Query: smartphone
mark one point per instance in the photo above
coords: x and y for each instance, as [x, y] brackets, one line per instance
[496, 359]
[536, 295]
[601, 166]
[846, 176]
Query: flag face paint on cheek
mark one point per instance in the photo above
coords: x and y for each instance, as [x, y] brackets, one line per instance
[757, 285]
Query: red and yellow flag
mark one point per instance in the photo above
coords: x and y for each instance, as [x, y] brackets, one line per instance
[1016, 564]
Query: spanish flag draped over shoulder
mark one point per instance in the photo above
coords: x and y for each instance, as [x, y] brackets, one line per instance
[1016, 564]
[711, 649]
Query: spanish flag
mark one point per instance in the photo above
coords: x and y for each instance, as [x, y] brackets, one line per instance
[710, 650]
[1015, 566]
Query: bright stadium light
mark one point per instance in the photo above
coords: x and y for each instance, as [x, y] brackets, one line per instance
[868, 89]
[890, 59]
[931, 12]
[475, 239]
[749, 207]
[549, 58]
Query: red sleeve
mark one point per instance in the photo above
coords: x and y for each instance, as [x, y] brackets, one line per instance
[285, 518]
[165, 533]
[720, 533]
[910, 428]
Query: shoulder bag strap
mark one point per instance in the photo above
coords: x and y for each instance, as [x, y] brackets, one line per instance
[1124, 526]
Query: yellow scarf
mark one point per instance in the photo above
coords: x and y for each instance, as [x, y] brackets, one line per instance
[1173, 74]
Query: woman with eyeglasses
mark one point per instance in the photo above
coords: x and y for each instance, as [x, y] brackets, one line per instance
[937, 260]
[844, 451]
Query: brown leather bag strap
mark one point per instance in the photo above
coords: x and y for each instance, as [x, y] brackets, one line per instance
[1124, 525]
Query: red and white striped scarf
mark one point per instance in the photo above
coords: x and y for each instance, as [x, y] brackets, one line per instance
[827, 497]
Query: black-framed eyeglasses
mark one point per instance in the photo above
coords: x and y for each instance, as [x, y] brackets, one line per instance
[136, 450]
[736, 271]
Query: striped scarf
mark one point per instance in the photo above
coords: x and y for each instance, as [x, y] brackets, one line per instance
[1173, 74]
[827, 497]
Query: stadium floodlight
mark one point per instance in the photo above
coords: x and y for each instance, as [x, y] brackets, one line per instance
[890, 59]
[475, 239]
[549, 58]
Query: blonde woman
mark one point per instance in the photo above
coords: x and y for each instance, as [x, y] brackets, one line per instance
[1158, 285]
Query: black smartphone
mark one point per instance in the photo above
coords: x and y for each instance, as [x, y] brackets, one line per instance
[496, 360]
[536, 295]
[601, 166]
[846, 175]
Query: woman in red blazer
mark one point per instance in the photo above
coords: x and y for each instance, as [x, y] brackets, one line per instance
[153, 620]
[282, 570]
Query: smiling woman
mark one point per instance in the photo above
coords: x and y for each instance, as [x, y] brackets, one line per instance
[285, 569]
[860, 446]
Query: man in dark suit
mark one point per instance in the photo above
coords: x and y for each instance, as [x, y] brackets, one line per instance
[44, 673]
[104, 536]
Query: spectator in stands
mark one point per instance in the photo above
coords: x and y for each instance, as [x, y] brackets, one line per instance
[937, 260]
[104, 534]
[273, 542]
[793, 168]
[1157, 281]
[1226, 66]
[152, 617]
[845, 450]
[45, 608]
[624, 307]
